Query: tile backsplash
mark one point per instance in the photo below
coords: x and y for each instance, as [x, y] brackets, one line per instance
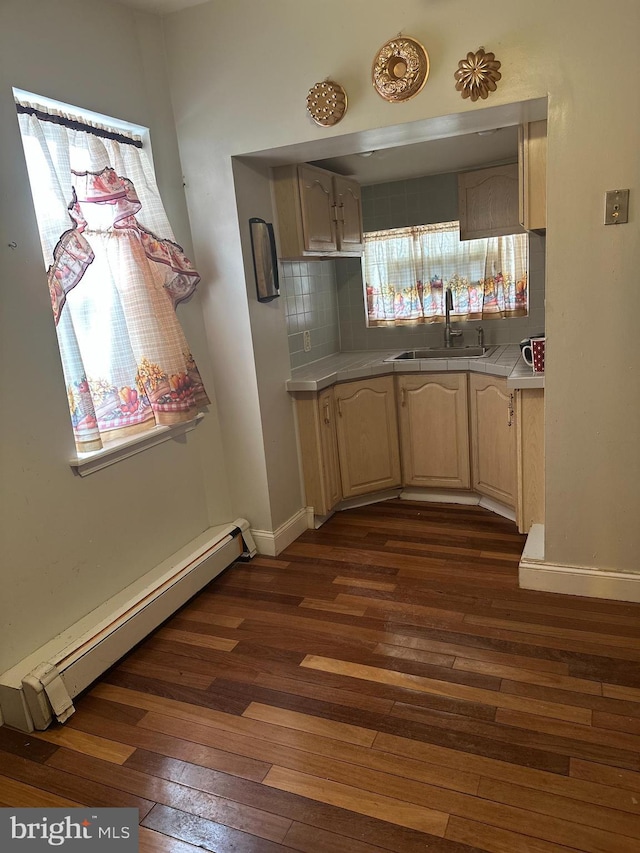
[311, 305]
[419, 201]
[326, 297]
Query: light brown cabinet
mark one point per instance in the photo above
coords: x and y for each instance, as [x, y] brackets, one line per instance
[434, 430]
[532, 166]
[317, 431]
[367, 433]
[530, 457]
[493, 438]
[319, 213]
[440, 430]
[348, 200]
[488, 202]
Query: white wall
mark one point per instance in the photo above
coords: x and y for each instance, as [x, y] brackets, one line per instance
[239, 77]
[69, 543]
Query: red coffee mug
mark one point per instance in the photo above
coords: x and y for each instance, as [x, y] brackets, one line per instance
[533, 354]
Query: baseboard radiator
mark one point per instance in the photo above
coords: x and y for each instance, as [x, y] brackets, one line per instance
[41, 688]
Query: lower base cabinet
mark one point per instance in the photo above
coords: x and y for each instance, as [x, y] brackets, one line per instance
[367, 433]
[319, 447]
[493, 438]
[434, 430]
[530, 457]
[440, 430]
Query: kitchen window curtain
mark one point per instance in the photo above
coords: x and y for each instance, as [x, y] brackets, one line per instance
[115, 277]
[407, 271]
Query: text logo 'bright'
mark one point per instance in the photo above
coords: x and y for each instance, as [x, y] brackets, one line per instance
[102, 830]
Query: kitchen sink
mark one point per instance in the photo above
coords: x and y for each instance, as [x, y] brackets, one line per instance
[444, 352]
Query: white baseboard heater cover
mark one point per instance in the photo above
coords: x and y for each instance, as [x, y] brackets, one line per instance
[41, 688]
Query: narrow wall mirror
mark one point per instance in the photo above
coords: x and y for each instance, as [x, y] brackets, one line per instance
[265, 264]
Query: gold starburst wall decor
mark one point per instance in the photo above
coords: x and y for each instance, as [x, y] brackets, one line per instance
[477, 75]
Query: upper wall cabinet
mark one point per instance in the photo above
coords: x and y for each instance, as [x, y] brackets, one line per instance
[488, 202]
[319, 213]
[348, 210]
[532, 165]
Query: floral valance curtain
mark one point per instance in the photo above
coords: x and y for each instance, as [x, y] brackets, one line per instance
[407, 271]
[115, 277]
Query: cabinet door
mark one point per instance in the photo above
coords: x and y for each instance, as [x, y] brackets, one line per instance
[532, 163]
[530, 449]
[319, 450]
[329, 447]
[488, 202]
[434, 430]
[493, 438]
[367, 436]
[348, 215]
[316, 207]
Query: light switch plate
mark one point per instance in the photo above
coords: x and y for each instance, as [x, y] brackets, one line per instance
[616, 207]
[306, 340]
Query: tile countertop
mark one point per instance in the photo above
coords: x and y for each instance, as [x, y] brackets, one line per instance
[505, 360]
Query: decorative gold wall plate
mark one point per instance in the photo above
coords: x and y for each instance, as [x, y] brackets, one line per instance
[400, 69]
[327, 103]
[477, 75]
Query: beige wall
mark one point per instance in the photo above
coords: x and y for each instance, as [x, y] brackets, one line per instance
[69, 543]
[239, 76]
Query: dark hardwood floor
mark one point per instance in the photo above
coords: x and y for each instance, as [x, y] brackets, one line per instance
[383, 685]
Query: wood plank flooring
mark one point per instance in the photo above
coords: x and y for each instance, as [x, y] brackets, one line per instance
[383, 685]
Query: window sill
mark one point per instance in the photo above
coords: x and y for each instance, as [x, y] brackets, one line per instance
[87, 463]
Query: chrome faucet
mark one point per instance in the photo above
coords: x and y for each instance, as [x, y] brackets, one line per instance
[449, 333]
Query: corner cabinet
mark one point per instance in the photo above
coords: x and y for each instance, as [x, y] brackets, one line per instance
[319, 213]
[532, 166]
[493, 438]
[488, 202]
[434, 430]
[367, 433]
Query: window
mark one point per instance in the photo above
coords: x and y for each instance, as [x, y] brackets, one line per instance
[407, 271]
[115, 277]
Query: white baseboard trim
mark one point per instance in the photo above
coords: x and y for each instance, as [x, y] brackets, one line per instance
[273, 542]
[498, 508]
[449, 496]
[535, 573]
[445, 496]
[316, 521]
[441, 496]
[365, 500]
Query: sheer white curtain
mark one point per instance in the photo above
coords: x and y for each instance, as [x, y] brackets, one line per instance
[115, 276]
[406, 271]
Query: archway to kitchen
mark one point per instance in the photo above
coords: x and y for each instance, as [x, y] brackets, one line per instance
[252, 173]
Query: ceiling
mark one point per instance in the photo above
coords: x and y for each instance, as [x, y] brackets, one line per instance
[160, 7]
[436, 156]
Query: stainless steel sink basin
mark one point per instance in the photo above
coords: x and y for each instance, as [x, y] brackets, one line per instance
[444, 352]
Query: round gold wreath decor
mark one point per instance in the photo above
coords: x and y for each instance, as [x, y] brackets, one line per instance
[327, 103]
[400, 69]
[477, 75]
